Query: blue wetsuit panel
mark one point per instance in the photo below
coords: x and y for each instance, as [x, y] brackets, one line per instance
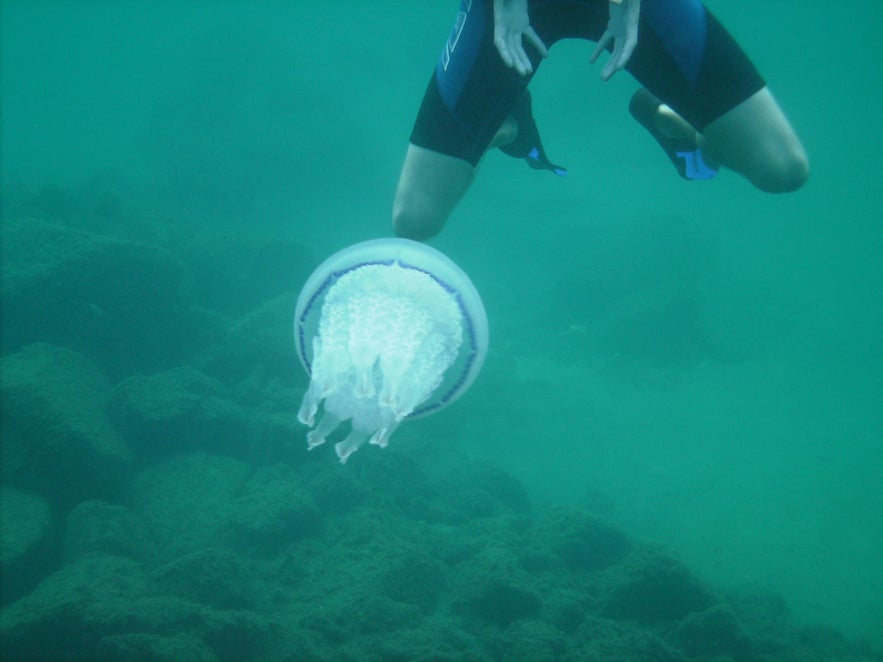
[464, 42]
[681, 27]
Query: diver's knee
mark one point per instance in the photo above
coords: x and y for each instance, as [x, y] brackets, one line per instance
[783, 174]
[411, 224]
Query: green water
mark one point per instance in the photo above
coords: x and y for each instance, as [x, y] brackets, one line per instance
[701, 362]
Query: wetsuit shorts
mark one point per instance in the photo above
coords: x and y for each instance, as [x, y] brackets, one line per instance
[684, 56]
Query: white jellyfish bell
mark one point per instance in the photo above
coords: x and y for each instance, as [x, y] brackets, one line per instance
[387, 329]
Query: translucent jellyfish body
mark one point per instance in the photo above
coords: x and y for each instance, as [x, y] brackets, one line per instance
[387, 329]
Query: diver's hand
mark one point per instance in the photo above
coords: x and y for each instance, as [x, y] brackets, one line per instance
[622, 30]
[510, 23]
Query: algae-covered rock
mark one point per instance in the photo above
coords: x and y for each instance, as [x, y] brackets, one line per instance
[494, 588]
[271, 510]
[72, 609]
[262, 342]
[179, 409]
[715, 631]
[187, 501]
[25, 541]
[118, 301]
[146, 647]
[582, 541]
[210, 576]
[652, 586]
[56, 436]
[414, 578]
[237, 634]
[603, 639]
[97, 526]
[533, 640]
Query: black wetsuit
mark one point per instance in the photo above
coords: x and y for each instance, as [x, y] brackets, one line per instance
[684, 56]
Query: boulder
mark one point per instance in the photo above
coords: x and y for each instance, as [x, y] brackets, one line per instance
[494, 588]
[98, 526]
[178, 409]
[72, 609]
[26, 552]
[187, 501]
[713, 632]
[272, 509]
[144, 647]
[652, 586]
[260, 342]
[117, 301]
[210, 576]
[583, 542]
[57, 438]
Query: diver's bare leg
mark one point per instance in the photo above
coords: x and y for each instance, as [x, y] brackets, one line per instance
[430, 186]
[755, 139]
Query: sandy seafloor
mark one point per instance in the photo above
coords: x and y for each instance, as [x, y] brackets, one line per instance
[674, 448]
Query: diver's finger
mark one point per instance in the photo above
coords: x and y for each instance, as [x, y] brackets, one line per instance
[605, 39]
[536, 41]
[503, 50]
[611, 66]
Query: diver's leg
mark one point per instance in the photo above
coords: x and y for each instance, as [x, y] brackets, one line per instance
[463, 113]
[710, 86]
[430, 186]
[756, 140]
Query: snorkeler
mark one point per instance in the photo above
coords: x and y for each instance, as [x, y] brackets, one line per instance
[701, 98]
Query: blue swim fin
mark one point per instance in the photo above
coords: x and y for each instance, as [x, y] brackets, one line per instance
[527, 144]
[686, 157]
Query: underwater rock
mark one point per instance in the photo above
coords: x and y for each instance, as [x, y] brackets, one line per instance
[97, 526]
[457, 506]
[566, 614]
[396, 476]
[763, 615]
[271, 510]
[652, 586]
[380, 615]
[336, 492]
[117, 301]
[56, 436]
[187, 501]
[582, 541]
[145, 647]
[256, 346]
[712, 632]
[179, 409]
[501, 485]
[361, 612]
[210, 576]
[532, 640]
[500, 602]
[237, 634]
[414, 578]
[72, 609]
[26, 550]
[602, 639]
[495, 589]
[435, 641]
[475, 490]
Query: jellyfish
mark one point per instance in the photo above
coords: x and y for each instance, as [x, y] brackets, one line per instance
[387, 329]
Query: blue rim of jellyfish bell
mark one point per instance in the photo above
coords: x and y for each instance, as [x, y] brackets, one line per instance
[409, 255]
